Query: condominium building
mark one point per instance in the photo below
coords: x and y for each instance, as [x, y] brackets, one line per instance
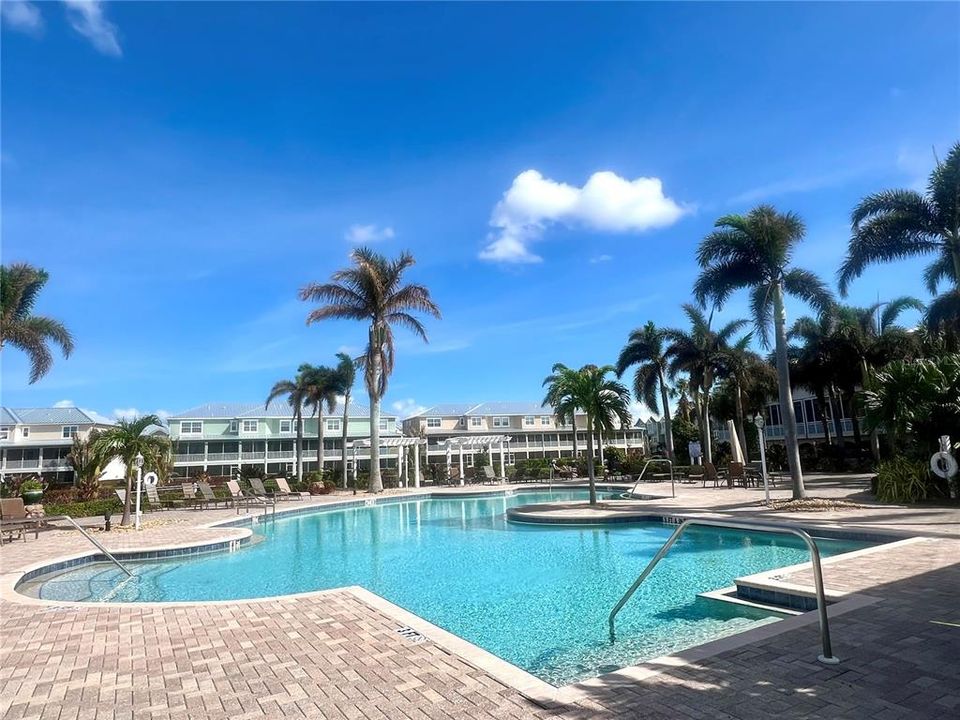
[219, 438]
[38, 440]
[533, 429]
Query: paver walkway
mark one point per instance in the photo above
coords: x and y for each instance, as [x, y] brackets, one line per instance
[332, 655]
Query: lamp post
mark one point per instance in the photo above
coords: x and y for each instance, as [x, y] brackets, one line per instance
[758, 421]
[138, 461]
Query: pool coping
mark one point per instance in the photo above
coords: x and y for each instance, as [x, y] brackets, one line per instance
[535, 689]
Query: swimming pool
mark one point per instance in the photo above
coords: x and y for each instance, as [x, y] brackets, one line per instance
[536, 596]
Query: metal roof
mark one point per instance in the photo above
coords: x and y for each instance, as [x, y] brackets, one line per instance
[50, 416]
[486, 408]
[277, 408]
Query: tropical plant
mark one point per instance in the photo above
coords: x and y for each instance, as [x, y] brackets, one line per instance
[605, 402]
[87, 464]
[754, 251]
[646, 348]
[744, 368]
[126, 440]
[700, 353]
[564, 407]
[296, 392]
[20, 284]
[322, 386]
[814, 363]
[895, 224]
[347, 370]
[681, 391]
[901, 480]
[371, 290]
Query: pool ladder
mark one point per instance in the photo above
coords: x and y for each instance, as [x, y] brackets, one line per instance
[673, 487]
[96, 543]
[827, 656]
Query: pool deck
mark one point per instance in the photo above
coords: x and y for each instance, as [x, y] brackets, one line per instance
[337, 654]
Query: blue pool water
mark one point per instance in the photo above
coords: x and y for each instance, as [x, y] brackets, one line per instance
[537, 596]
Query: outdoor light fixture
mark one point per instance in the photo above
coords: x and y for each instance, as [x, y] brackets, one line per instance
[758, 421]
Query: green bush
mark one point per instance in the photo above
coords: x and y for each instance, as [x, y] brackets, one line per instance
[90, 508]
[904, 481]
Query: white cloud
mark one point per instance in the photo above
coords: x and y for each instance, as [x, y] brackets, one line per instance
[162, 414]
[21, 15]
[600, 259]
[362, 234]
[917, 164]
[407, 407]
[64, 404]
[606, 202]
[87, 18]
[126, 413]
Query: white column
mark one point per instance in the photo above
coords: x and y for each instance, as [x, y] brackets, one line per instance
[461, 466]
[416, 473]
[449, 454]
[354, 466]
[600, 438]
[503, 462]
[205, 455]
[401, 468]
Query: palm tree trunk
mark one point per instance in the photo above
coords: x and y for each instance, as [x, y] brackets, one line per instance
[835, 412]
[740, 425]
[857, 433]
[299, 420]
[591, 471]
[343, 436]
[668, 430]
[786, 394]
[705, 428]
[822, 403]
[320, 440]
[874, 434]
[126, 500]
[376, 483]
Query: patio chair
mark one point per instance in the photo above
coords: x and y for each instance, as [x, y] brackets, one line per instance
[208, 497]
[489, 474]
[260, 489]
[285, 489]
[190, 498]
[153, 496]
[710, 474]
[239, 499]
[736, 474]
[14, 519]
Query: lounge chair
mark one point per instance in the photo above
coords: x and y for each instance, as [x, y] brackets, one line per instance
[14, 519]
[260, 490]
[209, 497]
[736, 474]
[190, 495]
[489, 474]
[241, 500]
[285, 489]
[710, 474]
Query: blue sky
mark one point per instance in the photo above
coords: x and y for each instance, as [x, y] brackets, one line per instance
[181, 169]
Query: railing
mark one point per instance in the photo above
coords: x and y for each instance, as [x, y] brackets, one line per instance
[279, 454]
[673, 487]
[827, 656]
[189, 457]
[88, 536]
[255, 455]
[57, 463]
[223, 456]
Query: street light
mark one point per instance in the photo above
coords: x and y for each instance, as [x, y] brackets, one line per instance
[138, 461]
[758, 421]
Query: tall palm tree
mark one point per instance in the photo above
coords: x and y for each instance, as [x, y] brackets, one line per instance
[127, 439]
[754, 251]
[700, 353]
[563, 403]
[20, 284]
[816, 363]
[645, 348]
[347, 370]
[605, 402]
[894, 224]
[371, 290]
[322, 386]
[296, 392]
[681, 391]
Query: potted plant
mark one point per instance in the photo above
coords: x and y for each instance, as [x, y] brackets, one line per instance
[31, 490]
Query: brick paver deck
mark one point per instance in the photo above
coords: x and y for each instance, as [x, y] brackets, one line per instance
[335, 655]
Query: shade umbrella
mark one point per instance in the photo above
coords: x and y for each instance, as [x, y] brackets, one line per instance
[736, 454]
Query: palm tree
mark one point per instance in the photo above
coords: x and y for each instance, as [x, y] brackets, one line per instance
[815, 365]
[699, 353]
[894, 224]
[372, 290]
[296, 392]
[87, 465]
[645, 349]
[740, 364]
[681, 391]
[20, 284]
[563, 403]
[601, 399]
[125, 441]
[754, 251]
[322, 385]
[347, 370]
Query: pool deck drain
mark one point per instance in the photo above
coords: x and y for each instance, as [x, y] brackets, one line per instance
[337, 654]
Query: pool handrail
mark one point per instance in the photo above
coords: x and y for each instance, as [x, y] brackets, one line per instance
[673, 486]
[96, 543]
[827, 656]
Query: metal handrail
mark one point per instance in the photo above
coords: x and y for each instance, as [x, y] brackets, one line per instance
[827, 656]
[673, 487]
[89, 537]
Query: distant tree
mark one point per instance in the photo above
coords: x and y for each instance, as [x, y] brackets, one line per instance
[296, 393]
[20, 284]
[372, 291]
[754, 251]
[124, 441]
[646, 348]
[347, 370]
[322, 386]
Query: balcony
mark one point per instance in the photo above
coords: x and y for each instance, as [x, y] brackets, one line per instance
[33, 464]
[188, 458]
[222, 457]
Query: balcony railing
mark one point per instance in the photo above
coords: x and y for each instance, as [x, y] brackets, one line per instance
[223, 457]
[188, 458]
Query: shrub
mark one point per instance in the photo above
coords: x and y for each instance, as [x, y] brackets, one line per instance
[89, 508]
[904, 481]
[31, 484]
[251, 471]
[776, 456]
[616, 459]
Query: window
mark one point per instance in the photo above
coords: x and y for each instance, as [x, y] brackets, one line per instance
[333, 424]
[544, 419]
[433, 422]
[4, 433]
[25, 432]
[476, 422]
[69, 431]
[233, 426]
[501, 422]
[773, 415]
[384, 422]
[286, 426]
[529, 420]
[191, 427]
[250, 426]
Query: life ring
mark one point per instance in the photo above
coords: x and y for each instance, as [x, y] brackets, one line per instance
[150, 479]
[943, 465]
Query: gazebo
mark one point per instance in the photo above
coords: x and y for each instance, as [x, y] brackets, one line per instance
[401, 443]
[474, 442]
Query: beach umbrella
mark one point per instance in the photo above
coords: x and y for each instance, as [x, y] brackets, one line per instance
[736, 454]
